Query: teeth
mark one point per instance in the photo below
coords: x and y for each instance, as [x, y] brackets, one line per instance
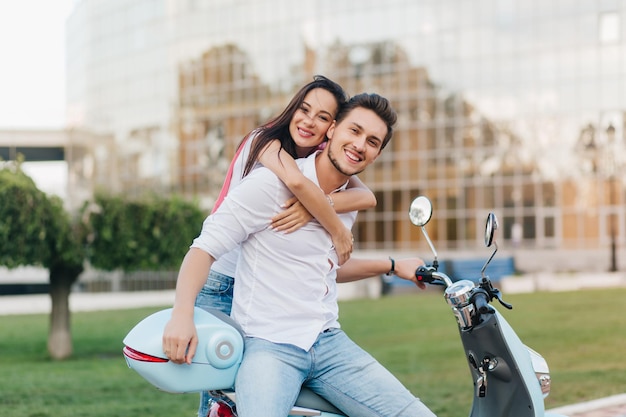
[304, 133]
[353, 157]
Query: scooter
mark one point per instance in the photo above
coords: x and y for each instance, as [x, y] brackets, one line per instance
[510, 379]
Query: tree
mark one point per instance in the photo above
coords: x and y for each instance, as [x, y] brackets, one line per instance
[36, 230]
[111, 232]
[149, 234]
[65, 264]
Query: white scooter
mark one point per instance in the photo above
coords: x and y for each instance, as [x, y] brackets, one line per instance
[510, 379]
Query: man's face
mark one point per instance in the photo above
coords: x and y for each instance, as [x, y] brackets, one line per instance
[356, 141]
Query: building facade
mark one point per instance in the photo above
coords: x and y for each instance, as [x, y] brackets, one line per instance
[73, 150]
[511, 106]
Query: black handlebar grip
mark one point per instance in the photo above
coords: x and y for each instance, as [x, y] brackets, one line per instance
[481, 302]
[424, 274]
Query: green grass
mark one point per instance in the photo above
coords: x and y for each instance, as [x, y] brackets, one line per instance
[581, 334]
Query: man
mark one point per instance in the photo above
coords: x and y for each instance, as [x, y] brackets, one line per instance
[285, 295]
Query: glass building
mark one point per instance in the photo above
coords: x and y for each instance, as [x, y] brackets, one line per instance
[511, 106]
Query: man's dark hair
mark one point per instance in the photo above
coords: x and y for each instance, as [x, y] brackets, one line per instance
[376, 103]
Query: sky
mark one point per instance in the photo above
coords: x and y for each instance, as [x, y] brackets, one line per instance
[32, 53]
[32, 76]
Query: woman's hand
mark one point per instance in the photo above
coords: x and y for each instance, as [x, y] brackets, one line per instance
[344, 243]
[293, 217]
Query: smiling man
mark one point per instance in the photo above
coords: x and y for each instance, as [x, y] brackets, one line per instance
[285, 296]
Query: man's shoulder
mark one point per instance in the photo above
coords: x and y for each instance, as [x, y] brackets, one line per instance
[260, 171]
[260, 175]
[307, 164]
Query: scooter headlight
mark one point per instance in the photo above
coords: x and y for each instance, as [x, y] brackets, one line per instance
[542, 372]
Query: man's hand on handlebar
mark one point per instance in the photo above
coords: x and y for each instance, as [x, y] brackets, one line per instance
[405, 269]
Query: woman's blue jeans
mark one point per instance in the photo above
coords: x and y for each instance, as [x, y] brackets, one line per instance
[336, 368]
[217, 293]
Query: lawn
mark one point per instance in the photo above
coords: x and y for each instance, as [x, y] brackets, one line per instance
[581, 334]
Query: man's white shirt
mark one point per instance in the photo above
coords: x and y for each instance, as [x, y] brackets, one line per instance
[285, 284]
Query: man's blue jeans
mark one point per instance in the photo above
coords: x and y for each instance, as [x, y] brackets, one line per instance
[271, 374]
[217, 293]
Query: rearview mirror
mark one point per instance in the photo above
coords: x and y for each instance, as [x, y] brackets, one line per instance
[490, 229]
[420, 211]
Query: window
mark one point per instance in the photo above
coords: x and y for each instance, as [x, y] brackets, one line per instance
[609, 27]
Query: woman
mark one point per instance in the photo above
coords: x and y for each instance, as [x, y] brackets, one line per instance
[295, 133]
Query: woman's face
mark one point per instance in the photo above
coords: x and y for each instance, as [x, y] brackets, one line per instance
[310, 122]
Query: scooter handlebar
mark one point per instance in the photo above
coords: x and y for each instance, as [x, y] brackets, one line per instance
[481, 302]
[425, 274]
[430, 275]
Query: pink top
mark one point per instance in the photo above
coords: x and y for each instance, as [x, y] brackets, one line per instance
[229, 176]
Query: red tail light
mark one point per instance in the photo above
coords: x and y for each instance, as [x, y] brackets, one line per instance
[220, 409]
[143, 357]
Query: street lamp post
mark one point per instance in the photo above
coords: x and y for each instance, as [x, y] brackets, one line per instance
[610, 133]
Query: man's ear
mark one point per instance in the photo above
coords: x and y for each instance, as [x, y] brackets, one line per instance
[331, 130]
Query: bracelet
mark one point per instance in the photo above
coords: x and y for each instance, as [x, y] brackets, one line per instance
[330, 200]
[393, 266]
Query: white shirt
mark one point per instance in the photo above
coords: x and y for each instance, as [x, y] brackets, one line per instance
[285, 284]
[227, 264]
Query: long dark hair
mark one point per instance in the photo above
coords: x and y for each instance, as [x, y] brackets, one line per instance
[278, 127]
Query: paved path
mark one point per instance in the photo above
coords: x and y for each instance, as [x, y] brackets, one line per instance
[614, 406]
[40, 303]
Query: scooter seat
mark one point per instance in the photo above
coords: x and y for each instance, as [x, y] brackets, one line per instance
[309, 399]
[306, 399]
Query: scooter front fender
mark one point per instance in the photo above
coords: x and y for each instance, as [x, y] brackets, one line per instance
[504, 379]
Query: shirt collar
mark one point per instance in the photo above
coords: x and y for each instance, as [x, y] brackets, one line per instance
[307, 166]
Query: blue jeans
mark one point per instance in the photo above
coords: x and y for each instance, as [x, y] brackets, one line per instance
[217, 293]
[271, 374]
